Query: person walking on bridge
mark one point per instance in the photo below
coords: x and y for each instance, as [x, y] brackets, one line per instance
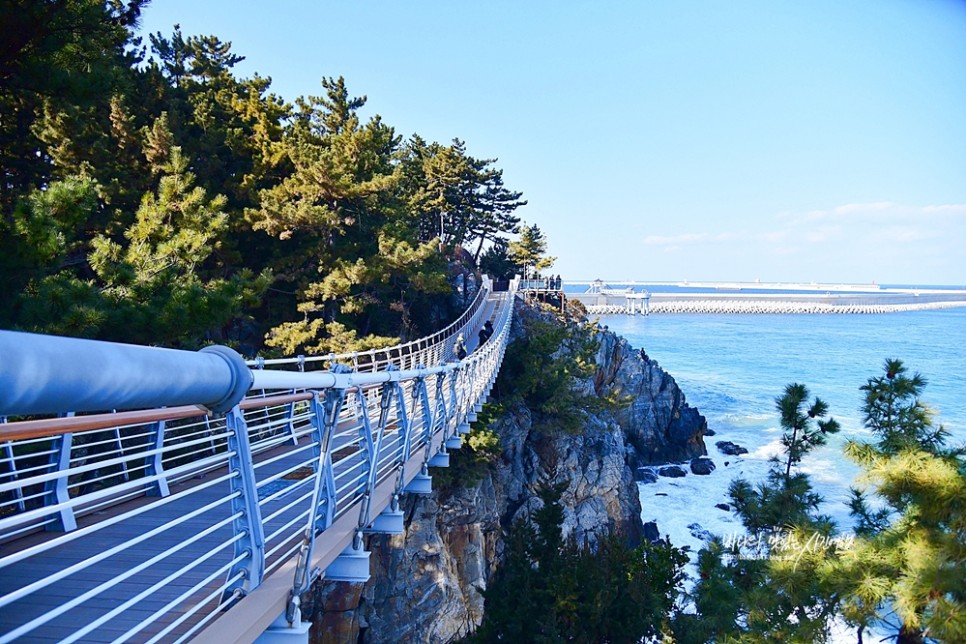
[485, 332]
[459, 348]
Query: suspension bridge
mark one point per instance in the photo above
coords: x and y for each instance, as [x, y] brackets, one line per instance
[172, 495]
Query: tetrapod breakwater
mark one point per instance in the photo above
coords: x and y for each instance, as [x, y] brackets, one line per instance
[837, 303]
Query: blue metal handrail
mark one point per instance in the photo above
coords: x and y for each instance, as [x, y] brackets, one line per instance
[48, 374]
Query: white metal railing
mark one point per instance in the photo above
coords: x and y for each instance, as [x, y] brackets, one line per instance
[430, 350]
[148, 525]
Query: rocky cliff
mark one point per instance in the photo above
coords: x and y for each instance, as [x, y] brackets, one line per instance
[426, 583]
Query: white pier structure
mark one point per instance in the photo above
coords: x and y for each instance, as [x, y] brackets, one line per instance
[601, 299]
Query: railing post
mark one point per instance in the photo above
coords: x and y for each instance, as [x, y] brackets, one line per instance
[405, 425]
[461, 425]
[290, 415]
[390, 520]
[353, 564]
[368, 446]
[56, 489]
[324, 417]
[211, 439]
[451, 434]
[155, 463]
[441, 417]
[441, 423]
[429, 422]
[422, 483]
[247, 524]
[471, 390]
[260, 365]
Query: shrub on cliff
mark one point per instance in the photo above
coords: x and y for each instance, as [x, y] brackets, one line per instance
[542, 367]
[481, 447]
[549, 589]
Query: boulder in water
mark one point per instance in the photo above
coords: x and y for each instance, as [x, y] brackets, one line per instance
[699, 532]
[733, 449]
[672, 471]
[702, 466]
[646, 475]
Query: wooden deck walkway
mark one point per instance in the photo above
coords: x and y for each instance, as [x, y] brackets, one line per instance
[158, 512]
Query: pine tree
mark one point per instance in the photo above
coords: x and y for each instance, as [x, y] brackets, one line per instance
[909, 556]
[786, 498]
[768, 587]
[529, 251]
[160, 287]
[340, 215]
[46, 238]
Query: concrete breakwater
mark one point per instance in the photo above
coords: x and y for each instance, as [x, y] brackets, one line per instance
[884, 301]
[755, 306]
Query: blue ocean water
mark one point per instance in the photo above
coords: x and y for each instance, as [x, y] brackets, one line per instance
[732, 367]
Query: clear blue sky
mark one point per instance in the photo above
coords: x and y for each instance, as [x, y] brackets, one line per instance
[664, 140]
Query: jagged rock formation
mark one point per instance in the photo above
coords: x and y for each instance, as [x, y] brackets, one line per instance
[659, 423]
[426, 584]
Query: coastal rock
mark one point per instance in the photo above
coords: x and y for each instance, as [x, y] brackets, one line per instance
[699, 532]
[646, 475]
[702, 466]
[426, 583]
[723, 506]
[732, 449]
[659, 423]
[672, 471]
[334, 610]
[651, 533]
